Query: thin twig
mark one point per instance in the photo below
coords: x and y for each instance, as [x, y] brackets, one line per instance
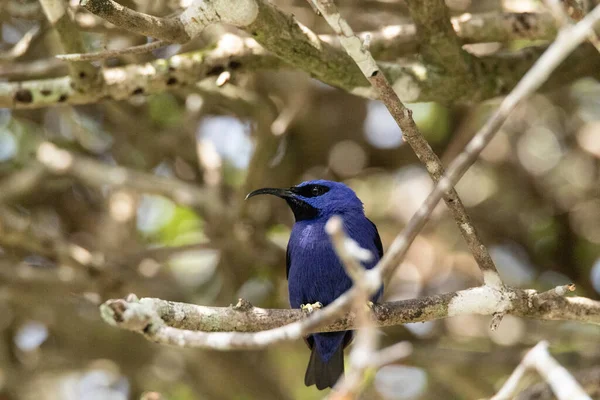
[105, 54]
[403, 117]
[366, 338]
[559, 291]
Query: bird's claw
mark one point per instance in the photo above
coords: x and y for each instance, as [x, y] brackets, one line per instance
[309, 308]
[370, 305]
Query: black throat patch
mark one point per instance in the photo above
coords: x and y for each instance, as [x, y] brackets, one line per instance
[302, 211]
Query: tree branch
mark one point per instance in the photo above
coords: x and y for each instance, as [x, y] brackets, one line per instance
[235, 326]
[139, 316]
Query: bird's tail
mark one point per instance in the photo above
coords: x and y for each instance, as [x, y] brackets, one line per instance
[324, 374]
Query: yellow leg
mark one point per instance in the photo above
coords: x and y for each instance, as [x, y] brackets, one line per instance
[308, 308]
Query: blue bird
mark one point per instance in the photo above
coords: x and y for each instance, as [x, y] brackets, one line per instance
[316, 276]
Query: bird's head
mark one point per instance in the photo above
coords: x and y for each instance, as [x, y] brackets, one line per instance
[316, 199]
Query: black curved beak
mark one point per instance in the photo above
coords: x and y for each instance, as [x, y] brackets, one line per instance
[283, 193]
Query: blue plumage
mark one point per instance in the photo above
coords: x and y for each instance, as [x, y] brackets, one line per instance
[315, 273]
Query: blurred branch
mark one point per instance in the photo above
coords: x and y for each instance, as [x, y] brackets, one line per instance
[121, 83]
[19, 9]
[391, 42]
[21, 182]
[438, 41]
[152, 396]
[97, 174]
[162, 254]
[504, 27]
[588, 378]
[32, 69]
[21, 46]
[564, 386]
[103, 55]
[27, 233]
[439, 44]
[403, 117]
[391, 354]
[227, 328]
[85, 76]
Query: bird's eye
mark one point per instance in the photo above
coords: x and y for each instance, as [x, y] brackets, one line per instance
[310, 190]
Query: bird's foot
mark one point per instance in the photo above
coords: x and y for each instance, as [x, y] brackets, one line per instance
[309, 308]
[370, 305]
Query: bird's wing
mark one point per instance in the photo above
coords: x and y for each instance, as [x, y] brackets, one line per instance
[377, 240]
[288, 261]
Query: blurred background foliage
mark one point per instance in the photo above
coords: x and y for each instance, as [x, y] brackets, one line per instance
[67, 243]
